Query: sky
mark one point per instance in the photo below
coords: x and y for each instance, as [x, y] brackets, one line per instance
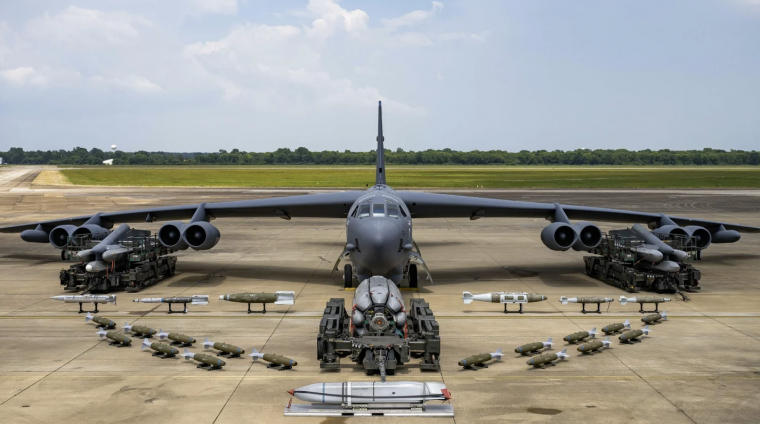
[204, 75]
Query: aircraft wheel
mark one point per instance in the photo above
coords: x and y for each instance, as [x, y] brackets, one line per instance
[348, 276]
[63, 255]
[413, 276]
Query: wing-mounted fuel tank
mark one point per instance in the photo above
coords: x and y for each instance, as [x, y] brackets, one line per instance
[562, 235]
[199, 234]
[378, 331]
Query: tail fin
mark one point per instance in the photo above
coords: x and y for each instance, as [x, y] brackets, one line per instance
[607, 342]
[127, 326]
[664, 315]
[206, 343]
[101, 333]
[467, 297]
[498, 354]
[549, 342]
[623, 300]
[285, 297]
[88, 318]
[198, 299]
[161, 335]
[380, 171]
[645, 330]
[187, 354]
[114, 300]
[627, 324]
[563, 355]
[593, 333]
[145, 344]
[563, 299]
[255, 354]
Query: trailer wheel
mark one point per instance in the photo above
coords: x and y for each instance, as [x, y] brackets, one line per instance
[63, 255]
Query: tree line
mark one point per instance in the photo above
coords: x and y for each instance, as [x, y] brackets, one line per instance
[303, 156]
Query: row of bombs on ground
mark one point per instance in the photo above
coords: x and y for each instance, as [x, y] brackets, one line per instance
[281, 362]
[522, 298]
[164, 350]
[586, 346]
[278, 298]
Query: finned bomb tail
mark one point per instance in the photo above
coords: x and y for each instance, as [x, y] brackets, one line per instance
[498, 354]
[627, 324]
[255, 354]
[101, 333]
[161, 335]
[467, 298]
[127, 327]
[145, 344]
[607, 342]
[593, 333]
[187, 354]
[563, 355]
[646, 330]
[206, 343]
[564, 300]
[285, 298]
[664, 315]
[623, 300]
[88, 318]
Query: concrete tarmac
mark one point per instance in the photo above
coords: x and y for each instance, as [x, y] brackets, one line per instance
[701, 366]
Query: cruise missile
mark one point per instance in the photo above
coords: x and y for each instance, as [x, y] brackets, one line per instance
[503, 297]
[87, 298]
[275, 361]
[278, 298]
[115, 253]
[580, 336]
[161, 349]
[648, 253]
[548, 359]
[479, 361]
[207, 362]
[139, 330]
[655, 318]
[594, 345]
[176, 338]
[528, 349]
[226, 349]
[614, 328]
[632, 336]
[585, 300]
[372, 394]
[641, 300]
[196, 299]
[103, 322]
[95, 256]
[669, 254]
[117, 338]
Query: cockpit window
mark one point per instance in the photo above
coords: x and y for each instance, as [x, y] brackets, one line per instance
[392, 211]
[363, 211]
[403, 212]
[353, 213]
[378, 209]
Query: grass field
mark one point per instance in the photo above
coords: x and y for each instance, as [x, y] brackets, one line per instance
[421, 177]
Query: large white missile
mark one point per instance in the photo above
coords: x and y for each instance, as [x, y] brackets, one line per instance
[648, 252]
[368, 393]
[651, 239]
[87, 298]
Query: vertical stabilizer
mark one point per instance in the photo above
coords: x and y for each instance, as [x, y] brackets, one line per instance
[380, 171]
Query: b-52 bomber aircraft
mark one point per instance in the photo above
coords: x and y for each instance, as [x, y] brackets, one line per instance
[379, 237]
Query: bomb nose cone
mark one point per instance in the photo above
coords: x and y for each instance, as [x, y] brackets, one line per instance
[57, 297]
[221, 297]
[292, 392]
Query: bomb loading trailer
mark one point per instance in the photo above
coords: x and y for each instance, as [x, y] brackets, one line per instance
[378, 333]
[620, 263]
[145, 261]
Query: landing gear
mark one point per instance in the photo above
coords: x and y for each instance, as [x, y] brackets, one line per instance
[413, 276]
[348, 276]
[63, 255]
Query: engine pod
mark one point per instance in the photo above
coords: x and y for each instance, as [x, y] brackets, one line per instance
[201, 235]
[589, 236]
[170, 235]
[559, 236]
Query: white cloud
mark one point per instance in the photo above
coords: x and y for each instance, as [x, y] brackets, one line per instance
[222, 7]
[453, 36]
[412, 18]
[86, 28]
[136, 83]
[29, 76]
[332, 16]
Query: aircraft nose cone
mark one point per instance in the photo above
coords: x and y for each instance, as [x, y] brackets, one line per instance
[379, 241]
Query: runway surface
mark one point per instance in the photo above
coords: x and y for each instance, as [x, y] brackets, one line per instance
[702, 366]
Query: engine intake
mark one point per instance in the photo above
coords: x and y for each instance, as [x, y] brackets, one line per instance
[559, 236]
[702, 237]
[96, 232]
[589, 236]
[670, 230]
[170, 235]
[201, 235]
[60, 235]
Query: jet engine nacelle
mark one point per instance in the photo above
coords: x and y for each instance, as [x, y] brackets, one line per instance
[170, 235]
[96, 232]
[201, 235]
[670, 230]
[559, 236]
[589, 236]
[720, 236]
[60, 235]
[702, 237]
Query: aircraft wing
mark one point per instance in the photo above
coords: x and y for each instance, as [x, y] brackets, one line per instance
[432, 205]
[328, 205]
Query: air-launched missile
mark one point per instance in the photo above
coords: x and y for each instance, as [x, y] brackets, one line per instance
[101, 321]
[87, 298]
[655, 318]
[505, 298]
[176, 338]
[668, 252]
[548, 359]
[97, 262]
[614, 328]
[641, 300]
[196, 299]
[580, 336]
[528, 349]
[161, 349]
[594, 345]
[632, 336]
[115, 253]
[278, 298]
[275, 361]
[224, 348]
[371, 394]
[139, 330]
[648, 253]
[587, 299]
[116, 338]
[479, 361]
[207, 362]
